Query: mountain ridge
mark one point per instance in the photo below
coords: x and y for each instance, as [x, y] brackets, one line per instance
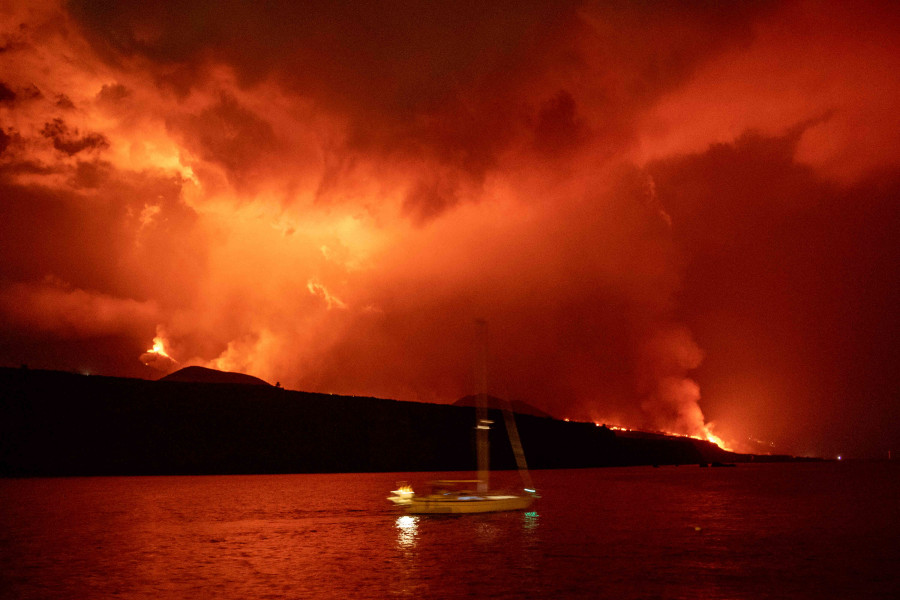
[197, 374]
[55, 423]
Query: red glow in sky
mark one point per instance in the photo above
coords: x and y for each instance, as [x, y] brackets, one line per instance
[673, 217]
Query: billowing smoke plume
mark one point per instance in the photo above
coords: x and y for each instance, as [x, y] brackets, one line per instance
[670, 396]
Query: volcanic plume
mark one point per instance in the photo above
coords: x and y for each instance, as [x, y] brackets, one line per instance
[667, 215]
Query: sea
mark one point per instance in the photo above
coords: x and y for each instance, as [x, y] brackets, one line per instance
[790, 530]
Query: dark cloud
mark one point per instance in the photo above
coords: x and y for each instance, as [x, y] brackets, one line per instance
[429, 199]
[559, 128]
[113, 93]
[69, 141]
[390, 54]
[6, 94]
[30, 92]
[786, 283]
[64, 102]
[90, 175]
[24, 93]
[231, 136]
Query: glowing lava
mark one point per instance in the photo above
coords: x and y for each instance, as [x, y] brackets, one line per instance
[157, 357]
[706, 436]
[159, 348]
[713, 438]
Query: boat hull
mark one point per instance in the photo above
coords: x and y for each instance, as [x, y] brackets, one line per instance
[472, 504]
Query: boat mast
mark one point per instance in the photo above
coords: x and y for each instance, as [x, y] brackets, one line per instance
[516, 442]
[482, 424]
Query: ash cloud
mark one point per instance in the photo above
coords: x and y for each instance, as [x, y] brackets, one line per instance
[457, 88]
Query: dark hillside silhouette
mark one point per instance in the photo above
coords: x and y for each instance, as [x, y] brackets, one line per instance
[517, 406]
[204, 375]
[55, 423]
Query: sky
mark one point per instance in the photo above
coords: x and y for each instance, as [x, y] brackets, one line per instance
[675, 217]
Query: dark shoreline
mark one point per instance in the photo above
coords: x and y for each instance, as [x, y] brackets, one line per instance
[55, 423]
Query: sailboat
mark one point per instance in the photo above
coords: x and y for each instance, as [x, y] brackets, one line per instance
[457, 496]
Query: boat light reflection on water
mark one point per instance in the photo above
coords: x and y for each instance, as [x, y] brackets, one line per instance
[408, 528]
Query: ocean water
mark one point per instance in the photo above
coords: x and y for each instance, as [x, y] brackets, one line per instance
[828, 530]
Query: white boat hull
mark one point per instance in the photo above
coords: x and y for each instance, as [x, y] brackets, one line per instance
[419, 505]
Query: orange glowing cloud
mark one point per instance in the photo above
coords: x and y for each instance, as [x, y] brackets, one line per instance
[829, 69]
[54, 307]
